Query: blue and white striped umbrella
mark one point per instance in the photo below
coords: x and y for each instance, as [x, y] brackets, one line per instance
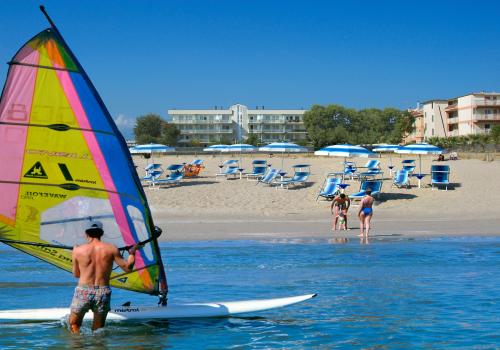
[386, 148]
[240, 147]
[151, 148]
[420, 148]
[283, 147]
[215, 148]
[344, 150]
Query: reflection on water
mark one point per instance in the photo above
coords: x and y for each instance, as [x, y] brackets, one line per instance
[390, 293]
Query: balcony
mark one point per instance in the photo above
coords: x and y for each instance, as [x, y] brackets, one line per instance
[202, 122]
[453, 120]
[204, 132]
[486, 117]
[453, 133]
[482, 102]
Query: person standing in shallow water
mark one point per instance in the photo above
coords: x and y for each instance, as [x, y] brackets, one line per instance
[340, 206]
[92, 264]
[365, 213]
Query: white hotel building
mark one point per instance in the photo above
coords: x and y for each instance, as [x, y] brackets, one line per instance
[235, 124]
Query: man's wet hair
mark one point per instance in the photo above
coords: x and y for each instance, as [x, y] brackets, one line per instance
[368, 191]
[95, 232]
[342, 195]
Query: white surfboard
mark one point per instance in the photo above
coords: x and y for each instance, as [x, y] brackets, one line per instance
[189, 310]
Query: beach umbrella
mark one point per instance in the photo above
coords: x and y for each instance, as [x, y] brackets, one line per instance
[240, 148]
[215, 148]
[387, 148]
[151, 148]
[282, 147]
[420, 148]
[345, 151]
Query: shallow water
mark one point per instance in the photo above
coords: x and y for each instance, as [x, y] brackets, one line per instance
[389, 294]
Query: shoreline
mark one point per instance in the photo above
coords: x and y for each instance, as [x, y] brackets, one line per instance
[240, 228]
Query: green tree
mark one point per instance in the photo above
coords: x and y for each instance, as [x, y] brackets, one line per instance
[252, 139]
[151, 128]
[169, 134]
[148, 128]
[495, 134]
[333, 124]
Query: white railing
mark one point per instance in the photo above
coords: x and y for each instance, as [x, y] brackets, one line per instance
[453, 120]
[453, 133]
[486, 117]
[485, 102]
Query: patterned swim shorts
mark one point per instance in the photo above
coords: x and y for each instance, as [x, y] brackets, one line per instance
[95, 298]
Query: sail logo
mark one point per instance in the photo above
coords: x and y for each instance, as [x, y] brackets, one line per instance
[122, 280]
[36, 172]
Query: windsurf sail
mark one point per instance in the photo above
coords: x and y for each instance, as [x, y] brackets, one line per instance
[64, 163]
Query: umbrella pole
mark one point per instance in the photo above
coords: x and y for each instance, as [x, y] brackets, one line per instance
[420, 164]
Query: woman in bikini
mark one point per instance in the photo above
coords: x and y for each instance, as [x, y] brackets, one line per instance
[366, 212]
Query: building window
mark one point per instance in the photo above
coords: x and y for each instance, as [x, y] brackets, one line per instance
[432, 118]
[487, 126]
[432, 131]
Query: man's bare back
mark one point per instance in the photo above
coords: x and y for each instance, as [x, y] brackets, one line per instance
[92, 263]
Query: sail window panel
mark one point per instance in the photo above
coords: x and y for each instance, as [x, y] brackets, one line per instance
[141, 231]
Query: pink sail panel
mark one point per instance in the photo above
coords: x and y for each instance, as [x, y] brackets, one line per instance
[15, 108]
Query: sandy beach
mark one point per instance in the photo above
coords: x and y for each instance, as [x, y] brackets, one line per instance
[210, 207]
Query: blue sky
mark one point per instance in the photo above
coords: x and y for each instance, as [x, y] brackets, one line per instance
[151, 56]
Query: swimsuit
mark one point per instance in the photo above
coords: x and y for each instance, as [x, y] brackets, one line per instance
[367, 211]
[95, 298]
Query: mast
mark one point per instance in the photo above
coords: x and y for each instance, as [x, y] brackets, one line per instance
[155, 231]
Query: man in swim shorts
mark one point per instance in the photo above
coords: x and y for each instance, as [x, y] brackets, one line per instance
[366, 212]
[92, 264]
[340, 206]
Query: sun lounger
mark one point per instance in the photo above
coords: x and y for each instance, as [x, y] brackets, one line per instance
[372, 164]
[375, 185]
[409, 169]
[440, 175]
[300, 177]
[174, 178]
[330, 188]
[231, 170]
[257, 172]
[401, 178]
[269, 177]
[194, 168]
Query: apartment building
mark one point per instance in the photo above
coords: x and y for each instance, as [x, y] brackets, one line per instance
[470, 114]
[235, 124]
[473, 114]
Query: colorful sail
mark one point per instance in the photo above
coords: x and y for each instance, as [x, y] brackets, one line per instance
[64, 163]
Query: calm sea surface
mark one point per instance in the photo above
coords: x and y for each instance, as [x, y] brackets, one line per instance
[390, 294]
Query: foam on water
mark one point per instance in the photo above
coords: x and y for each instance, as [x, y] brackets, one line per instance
[391, 293]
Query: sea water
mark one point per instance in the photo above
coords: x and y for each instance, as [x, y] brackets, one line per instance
[389, 294]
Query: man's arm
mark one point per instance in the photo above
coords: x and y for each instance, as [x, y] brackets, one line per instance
[76, 268]
[126, 265]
